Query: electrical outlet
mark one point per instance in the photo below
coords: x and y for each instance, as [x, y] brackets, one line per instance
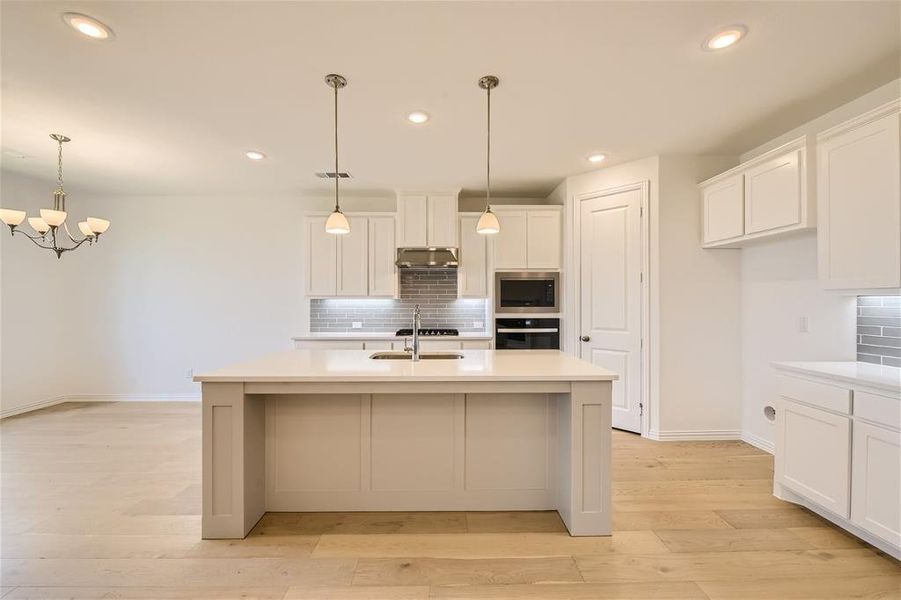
[189, 374]
[357, 324]
[478, 324]
[804, 325]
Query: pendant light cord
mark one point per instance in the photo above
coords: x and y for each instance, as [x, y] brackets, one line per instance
[337, 209]
[488, 170]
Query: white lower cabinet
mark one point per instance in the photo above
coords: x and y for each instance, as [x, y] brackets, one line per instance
[838, 452]
[876, 481]
[814, 460]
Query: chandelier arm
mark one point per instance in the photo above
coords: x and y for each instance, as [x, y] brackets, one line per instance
[34, 239]
[68, 233]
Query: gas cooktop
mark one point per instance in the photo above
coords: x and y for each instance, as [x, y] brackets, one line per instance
[427, 332]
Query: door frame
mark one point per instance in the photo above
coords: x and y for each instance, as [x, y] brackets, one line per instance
[643, 187]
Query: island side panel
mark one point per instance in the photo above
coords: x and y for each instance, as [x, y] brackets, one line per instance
[233, 435]
[585, 494]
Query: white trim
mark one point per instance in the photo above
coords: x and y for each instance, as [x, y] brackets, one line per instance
[694, 435]
[99, 398]
[648, 330]
[860, 120]
[758, 442]
[18, 410]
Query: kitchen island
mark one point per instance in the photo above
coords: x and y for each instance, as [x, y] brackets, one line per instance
[336, 430]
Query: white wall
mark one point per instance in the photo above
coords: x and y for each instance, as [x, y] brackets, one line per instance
[699, 311]
[34, 291]
[177, 283]
[779, 286]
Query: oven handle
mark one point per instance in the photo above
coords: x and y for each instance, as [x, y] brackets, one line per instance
[527, 330]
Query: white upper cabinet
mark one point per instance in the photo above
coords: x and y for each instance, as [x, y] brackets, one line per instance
[859, 237]
[321, 258]
[530, 238]
[353, 248]
[360, 263]
[428, 219]
[724, 210]
[412, 221]
[774, 193]
[763, 197]
[544, 239]
[472, 275]
[381, 256]
[442, 220]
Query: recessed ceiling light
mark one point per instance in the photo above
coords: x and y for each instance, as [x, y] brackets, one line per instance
[596, 158]
[254, 155]
[725, 38]
[417, 116]
[88, 26]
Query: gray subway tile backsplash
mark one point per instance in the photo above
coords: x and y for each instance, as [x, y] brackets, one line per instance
[879, 330]
[435, 290]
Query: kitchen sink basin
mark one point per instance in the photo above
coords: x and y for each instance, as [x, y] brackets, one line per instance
[422, 355]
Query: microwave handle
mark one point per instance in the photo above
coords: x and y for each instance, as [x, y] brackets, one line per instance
[527, 330]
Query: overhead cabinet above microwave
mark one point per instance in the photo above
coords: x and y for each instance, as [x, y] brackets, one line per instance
[764, 197]
[427, 219]
[530, 237]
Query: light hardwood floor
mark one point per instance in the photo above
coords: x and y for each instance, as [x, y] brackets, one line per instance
[103, 501]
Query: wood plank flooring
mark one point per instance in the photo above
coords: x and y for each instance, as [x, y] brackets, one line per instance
[103, 501]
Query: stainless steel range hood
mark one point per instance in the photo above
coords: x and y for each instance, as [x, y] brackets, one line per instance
[426, 258]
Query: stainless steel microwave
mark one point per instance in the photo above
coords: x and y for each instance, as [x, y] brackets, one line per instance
[526, 292]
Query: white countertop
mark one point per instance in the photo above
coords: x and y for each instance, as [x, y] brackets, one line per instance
[874, 376]
[344, 366]
[363, 336]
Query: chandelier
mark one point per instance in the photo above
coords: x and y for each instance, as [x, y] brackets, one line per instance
[51, 226]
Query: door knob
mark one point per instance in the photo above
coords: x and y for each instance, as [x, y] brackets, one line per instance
[585, 338]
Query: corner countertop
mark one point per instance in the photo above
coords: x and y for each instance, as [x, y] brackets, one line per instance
[861, 373]
[344, 366]
[386, 336]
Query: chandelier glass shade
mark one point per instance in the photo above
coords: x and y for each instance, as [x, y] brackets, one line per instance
[51, 228]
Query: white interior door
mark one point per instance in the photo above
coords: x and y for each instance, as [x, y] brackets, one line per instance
[611, 296]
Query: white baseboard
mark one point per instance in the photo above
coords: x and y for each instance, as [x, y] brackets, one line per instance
[758, 442]
[18, 410]
[694, 435]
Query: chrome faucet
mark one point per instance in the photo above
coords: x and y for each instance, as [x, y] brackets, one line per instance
[417, 321]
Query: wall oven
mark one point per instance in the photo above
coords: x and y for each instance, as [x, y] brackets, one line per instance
[527, 334]
[526, 292]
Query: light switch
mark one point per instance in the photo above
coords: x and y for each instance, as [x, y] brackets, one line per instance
[804, 325]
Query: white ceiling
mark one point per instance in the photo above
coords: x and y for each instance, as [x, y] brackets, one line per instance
[186, 87]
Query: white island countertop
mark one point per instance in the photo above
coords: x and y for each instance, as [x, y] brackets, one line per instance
[350, 336]
[322, 366]
[861, 373]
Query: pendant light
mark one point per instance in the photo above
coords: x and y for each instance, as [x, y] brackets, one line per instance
[336, 223]
[488, 222]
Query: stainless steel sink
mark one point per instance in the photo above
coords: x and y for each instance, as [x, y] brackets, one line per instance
[422, 355]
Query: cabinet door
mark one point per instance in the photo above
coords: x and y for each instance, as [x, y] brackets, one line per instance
[442, 220]
[321, 258]
[774, 193]
[813, 455]
[724, 210]
[382, 253]
[859, 211]
[876, 481]
[543, 239]
[353, 247]
[510, 244]
[472, 276]
[412, 216]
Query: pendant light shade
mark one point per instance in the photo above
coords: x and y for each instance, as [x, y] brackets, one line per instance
[488, 223]
[336, 223]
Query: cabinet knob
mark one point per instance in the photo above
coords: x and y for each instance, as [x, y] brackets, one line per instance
[585, 338]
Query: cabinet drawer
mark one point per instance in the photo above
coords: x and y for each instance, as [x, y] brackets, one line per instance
[878, 409]
[823, 395]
